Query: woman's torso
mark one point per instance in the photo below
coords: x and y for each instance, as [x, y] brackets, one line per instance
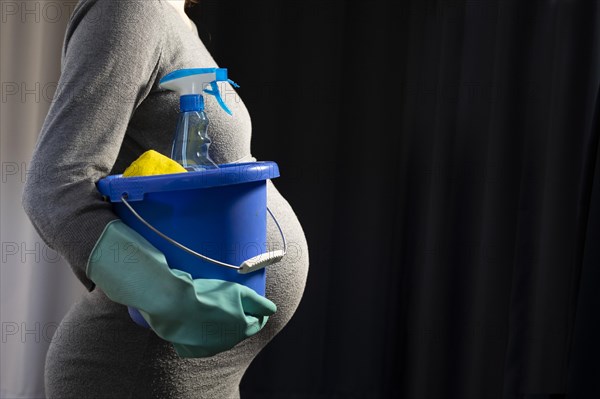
[98, 352]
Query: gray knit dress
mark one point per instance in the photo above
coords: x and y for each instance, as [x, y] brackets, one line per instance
[107, 111]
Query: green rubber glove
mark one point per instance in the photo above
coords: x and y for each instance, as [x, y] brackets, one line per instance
[201, 317]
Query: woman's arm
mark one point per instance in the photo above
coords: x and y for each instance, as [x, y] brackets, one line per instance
[111, 58]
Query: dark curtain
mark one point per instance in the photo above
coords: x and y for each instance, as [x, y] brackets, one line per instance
[442, 157]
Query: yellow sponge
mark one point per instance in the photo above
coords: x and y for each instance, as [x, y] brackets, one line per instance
[153, 163]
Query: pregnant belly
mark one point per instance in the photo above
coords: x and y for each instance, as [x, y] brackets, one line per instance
[286, 279]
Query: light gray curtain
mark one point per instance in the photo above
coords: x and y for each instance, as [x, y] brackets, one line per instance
[36, 285]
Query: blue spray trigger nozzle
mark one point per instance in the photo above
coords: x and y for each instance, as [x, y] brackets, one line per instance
[194, 81]
[215, 92]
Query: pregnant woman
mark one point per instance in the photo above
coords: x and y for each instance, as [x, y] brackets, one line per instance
[107, 111]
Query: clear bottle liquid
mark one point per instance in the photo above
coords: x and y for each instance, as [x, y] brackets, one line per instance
[191, 142]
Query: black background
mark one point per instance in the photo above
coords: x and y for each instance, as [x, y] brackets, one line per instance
[442, 157]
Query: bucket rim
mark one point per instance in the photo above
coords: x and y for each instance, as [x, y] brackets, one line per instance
[114, 187]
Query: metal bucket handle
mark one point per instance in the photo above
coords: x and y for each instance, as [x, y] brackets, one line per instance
[255, 263]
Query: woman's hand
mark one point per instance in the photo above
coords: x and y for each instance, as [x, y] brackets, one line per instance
[201, 317]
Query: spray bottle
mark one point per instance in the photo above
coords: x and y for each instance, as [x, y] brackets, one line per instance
[191, 141]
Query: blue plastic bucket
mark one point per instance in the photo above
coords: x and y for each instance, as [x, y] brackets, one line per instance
[220, 213]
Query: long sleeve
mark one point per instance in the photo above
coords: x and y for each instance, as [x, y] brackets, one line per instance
[111, 58]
